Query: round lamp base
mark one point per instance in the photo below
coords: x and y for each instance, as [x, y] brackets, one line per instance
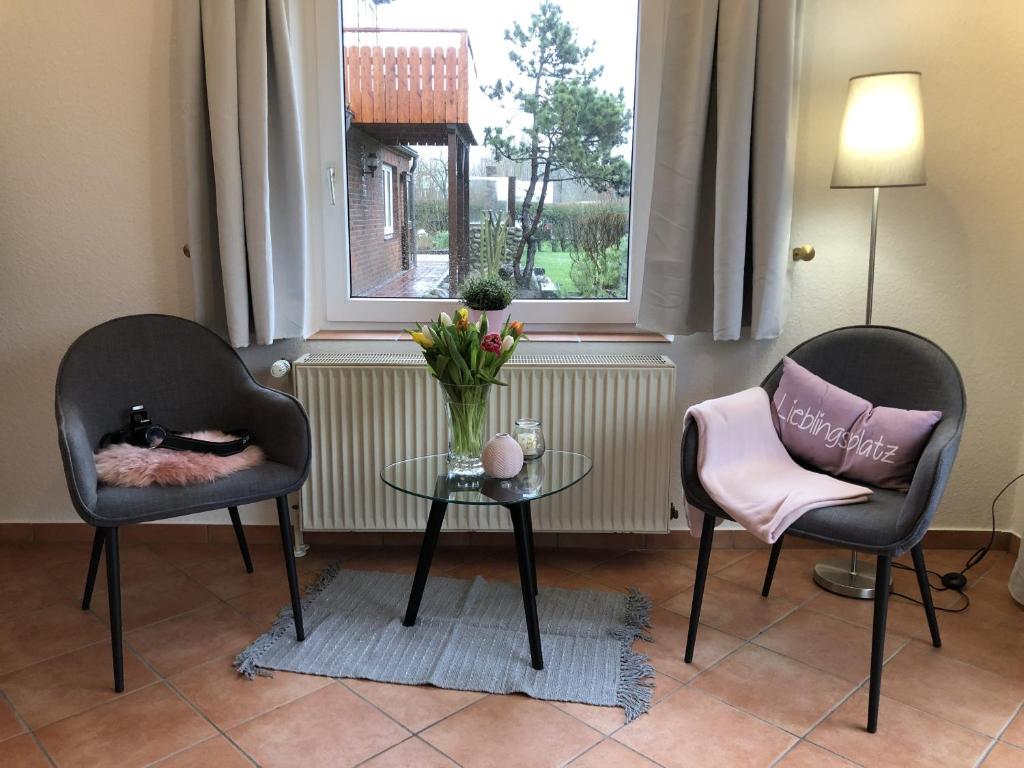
[837, 576]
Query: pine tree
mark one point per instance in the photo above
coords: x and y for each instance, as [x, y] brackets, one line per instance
[573, 127]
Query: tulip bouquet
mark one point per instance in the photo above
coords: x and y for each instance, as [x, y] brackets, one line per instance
[465, 358]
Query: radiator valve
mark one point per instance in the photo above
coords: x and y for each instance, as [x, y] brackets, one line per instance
[280, 369]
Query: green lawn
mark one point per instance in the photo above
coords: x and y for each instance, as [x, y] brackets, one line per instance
[556, 266]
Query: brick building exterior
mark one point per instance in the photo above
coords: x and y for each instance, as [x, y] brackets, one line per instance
[376, 254]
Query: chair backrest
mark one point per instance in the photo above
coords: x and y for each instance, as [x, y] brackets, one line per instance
[186, 376]
[887, 366]
[899, 369]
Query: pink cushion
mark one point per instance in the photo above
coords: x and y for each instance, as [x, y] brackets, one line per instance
[843, 434]
[134, 467]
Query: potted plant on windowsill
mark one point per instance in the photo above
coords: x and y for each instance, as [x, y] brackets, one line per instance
[488, 295]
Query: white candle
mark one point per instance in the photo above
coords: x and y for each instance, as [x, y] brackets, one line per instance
[528, 442]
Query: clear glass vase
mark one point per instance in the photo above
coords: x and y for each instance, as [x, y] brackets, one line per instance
[466, 407]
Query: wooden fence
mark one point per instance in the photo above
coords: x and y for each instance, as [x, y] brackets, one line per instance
[402, 84]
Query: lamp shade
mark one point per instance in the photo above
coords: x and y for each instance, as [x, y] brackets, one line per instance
[881, 140]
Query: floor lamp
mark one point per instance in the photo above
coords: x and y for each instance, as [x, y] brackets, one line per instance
[881, 144]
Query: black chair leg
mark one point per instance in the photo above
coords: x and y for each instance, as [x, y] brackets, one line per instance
[285, 523]
[703, 560]
[882, 575]
[114, 599]
[773, 560]
[926, 594]
[236, 523]
[94, 567]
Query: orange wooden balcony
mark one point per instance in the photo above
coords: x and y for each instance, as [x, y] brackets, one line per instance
[408, 84]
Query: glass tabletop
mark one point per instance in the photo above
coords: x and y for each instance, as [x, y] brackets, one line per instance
[427, 477]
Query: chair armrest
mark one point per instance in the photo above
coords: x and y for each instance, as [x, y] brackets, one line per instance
[79, 463]
[930, 478]
[693, 489]
[279, 425]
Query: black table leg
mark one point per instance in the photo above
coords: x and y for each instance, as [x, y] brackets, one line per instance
[437, 510]
[529, 538]
[524, 546]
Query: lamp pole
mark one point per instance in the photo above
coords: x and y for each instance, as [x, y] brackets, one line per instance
[831, 574]
[881, 144]
[871, 257]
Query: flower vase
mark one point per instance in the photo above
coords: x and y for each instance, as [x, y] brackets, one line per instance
[466, 408]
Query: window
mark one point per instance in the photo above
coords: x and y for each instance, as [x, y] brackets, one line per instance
[550, 192]
[388, 179]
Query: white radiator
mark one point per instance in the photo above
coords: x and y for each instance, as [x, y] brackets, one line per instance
[368, 410]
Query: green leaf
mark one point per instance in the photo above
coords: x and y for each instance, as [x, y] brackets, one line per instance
[441, 365]
[467, 377]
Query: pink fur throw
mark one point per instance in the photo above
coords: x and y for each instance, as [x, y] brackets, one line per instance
[134, 467]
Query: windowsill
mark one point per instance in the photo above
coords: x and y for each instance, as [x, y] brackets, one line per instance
[638, 337]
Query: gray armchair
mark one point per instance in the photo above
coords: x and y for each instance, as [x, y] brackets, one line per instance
[189, 379]
[889, 367]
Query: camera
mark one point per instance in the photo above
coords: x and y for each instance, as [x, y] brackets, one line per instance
[142, 431]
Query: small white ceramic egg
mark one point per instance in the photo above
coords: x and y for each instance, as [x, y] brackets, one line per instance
[502, 457]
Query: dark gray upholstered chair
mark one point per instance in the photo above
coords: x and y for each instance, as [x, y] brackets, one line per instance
[188, 378]
[886, 366]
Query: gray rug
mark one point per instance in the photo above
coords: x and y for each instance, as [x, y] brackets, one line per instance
[469, 636]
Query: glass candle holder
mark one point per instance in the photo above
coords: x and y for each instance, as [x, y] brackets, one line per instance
[531, 479]
[530, 438]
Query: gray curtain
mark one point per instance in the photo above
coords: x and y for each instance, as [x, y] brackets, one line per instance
[244, 173]
[718, 244]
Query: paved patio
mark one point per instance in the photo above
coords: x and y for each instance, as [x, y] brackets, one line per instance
[427, 276]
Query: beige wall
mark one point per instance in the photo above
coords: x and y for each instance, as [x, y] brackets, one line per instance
[88, 228]
[91, 222]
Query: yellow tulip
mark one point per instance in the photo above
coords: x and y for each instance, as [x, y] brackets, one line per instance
[422, 339]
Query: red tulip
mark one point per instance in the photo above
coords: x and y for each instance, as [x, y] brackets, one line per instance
[491, 343]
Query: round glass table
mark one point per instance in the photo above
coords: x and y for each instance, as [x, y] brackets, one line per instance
[427, 477]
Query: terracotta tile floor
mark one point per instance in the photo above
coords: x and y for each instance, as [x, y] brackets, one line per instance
[778, 682]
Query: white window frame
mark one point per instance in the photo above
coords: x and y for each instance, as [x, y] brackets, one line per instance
[333, 308]
[387, 177]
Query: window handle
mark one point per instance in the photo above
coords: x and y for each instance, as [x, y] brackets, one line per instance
[330, 181]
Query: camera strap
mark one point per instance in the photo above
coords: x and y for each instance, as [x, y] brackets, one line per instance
[177, 442]
[158, 437]
[143, 433]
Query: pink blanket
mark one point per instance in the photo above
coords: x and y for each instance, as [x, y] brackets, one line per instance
[746, 470]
